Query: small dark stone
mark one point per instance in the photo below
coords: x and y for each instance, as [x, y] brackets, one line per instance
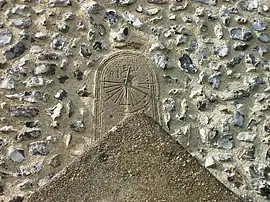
[31, 124]
[238, 119]
[63, 28]
[38, 148]
[97, 46]
[187, 64]
[202, 105]
[84, 51]
[34, 133]
[77, 126]
[111, 16]
[78, 74]
[70, 108]
[2, 3]
[234, 61]
[83, 92]
[241, 34]
[240, 46]
[23, 111]
[48, 56]
[62, 79]
[16, 199]
[15, 51]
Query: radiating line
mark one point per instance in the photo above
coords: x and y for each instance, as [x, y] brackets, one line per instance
[120, 92]
[145, 83]
[133, 97]
[110, 96]
[113, 81]
[112, 85]
[139, 90]
[111, 90]
[144, 87]
[123, 93]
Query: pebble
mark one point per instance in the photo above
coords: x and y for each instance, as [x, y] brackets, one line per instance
[187, 64]
[161, 61]
[22, 23]
[5, 37]
[61, 94]
[16, 154]
[29, 134]
[77, 126]
[209, 162]
[38, 148]
[132, 19]
[84, 51]
[7, 83]
[23, 111]
[59, 3]
[221, 50]
[15, 51]
[246, 136]
[263, 37]
[238, 119]
[55, 111]
[83, 92]
[240, 34]
[70, 108]
[45, 69]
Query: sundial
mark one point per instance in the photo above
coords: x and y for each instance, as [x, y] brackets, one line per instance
[125, 83]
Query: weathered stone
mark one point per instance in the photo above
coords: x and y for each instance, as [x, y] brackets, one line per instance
[15, 51]
[23, 111]
[5, 36]
[77, 126]
[16, 154]
[38, 148]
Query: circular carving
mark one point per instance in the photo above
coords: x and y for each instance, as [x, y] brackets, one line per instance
[125, 83]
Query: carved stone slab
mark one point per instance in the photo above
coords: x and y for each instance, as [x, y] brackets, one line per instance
[125, 83]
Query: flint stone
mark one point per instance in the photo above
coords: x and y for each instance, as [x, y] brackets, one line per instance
[92, 8]
[23, 111]
[54, 112]
[29, 134]
[124, 2]
[2, 3]
[241, 34]
[209, 162]
[248, 5]
[240, 46]
[157, 1]
[38, 148]
[246, 136]
[132, 19]
[36, 81]
[238, 119]
[22, 23]
[77, 126]
[61, 94]
[16, 154]
[187, 64]
[263, 37]
[15, 51]
[84, 51]
[45, 69]
[7, 83]
[5, 37]
[221, 50]
[59, 3]
[259, 26]
[161, 61]
[208, 2]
